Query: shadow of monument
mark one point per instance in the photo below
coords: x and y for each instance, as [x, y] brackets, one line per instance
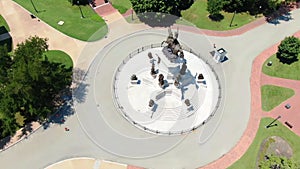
[287, 61]
[189, 80]
[156, 19]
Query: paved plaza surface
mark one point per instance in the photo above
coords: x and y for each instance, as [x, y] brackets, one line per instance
[99, 131]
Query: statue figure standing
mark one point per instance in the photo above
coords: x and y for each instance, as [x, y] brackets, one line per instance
[183, 69]
[161, 80]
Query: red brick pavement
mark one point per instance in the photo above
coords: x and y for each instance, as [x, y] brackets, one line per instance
[134, 167]
[103, 9]
[99, 2]
[292, 115]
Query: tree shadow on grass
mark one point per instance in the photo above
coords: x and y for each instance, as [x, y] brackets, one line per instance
[156, 19]
[288, 61]
[216, 17]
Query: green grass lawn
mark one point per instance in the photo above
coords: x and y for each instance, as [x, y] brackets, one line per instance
[248, 160]
[198, 15]
[121, 5]
[4, 28]
[53, 11]
[59, 57]
[272, 96]
[279, 69]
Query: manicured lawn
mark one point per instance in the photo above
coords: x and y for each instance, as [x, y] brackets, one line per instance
[53, 11]
[272, 96]
[4, 28]
[59, 57]
[279, 69]
[121, 5]
[198, 15]
[248, 160]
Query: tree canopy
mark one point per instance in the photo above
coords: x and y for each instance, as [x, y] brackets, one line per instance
[30, 84]
[288, 50]
[254, 7]
[164, 6]
[214, 7]
[277, 162]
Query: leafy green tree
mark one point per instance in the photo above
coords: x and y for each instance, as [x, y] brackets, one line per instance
[7, 121]
[277, 162]
[5, 64]
[32, 84]
[234, 5]
[214, 7]
[288, 50]
[164, 6]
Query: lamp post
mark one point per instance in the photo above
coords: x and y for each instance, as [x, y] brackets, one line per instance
[269, 125]
[34, 7]
[80, 9]
[232, 19]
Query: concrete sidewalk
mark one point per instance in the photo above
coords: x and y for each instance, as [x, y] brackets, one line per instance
[89, 163]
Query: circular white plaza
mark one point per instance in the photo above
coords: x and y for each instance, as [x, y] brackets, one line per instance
[186, 100]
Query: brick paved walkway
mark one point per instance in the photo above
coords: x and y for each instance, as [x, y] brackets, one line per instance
[104, 9]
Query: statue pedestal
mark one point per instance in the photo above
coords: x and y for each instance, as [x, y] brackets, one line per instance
[135, 81]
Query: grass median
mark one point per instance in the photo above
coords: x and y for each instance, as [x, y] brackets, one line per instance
[272, 96]
[58, 56]
[279, 69]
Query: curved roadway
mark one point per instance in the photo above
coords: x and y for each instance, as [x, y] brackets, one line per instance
[136, 147]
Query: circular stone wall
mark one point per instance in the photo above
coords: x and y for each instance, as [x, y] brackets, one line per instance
[176, 109]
